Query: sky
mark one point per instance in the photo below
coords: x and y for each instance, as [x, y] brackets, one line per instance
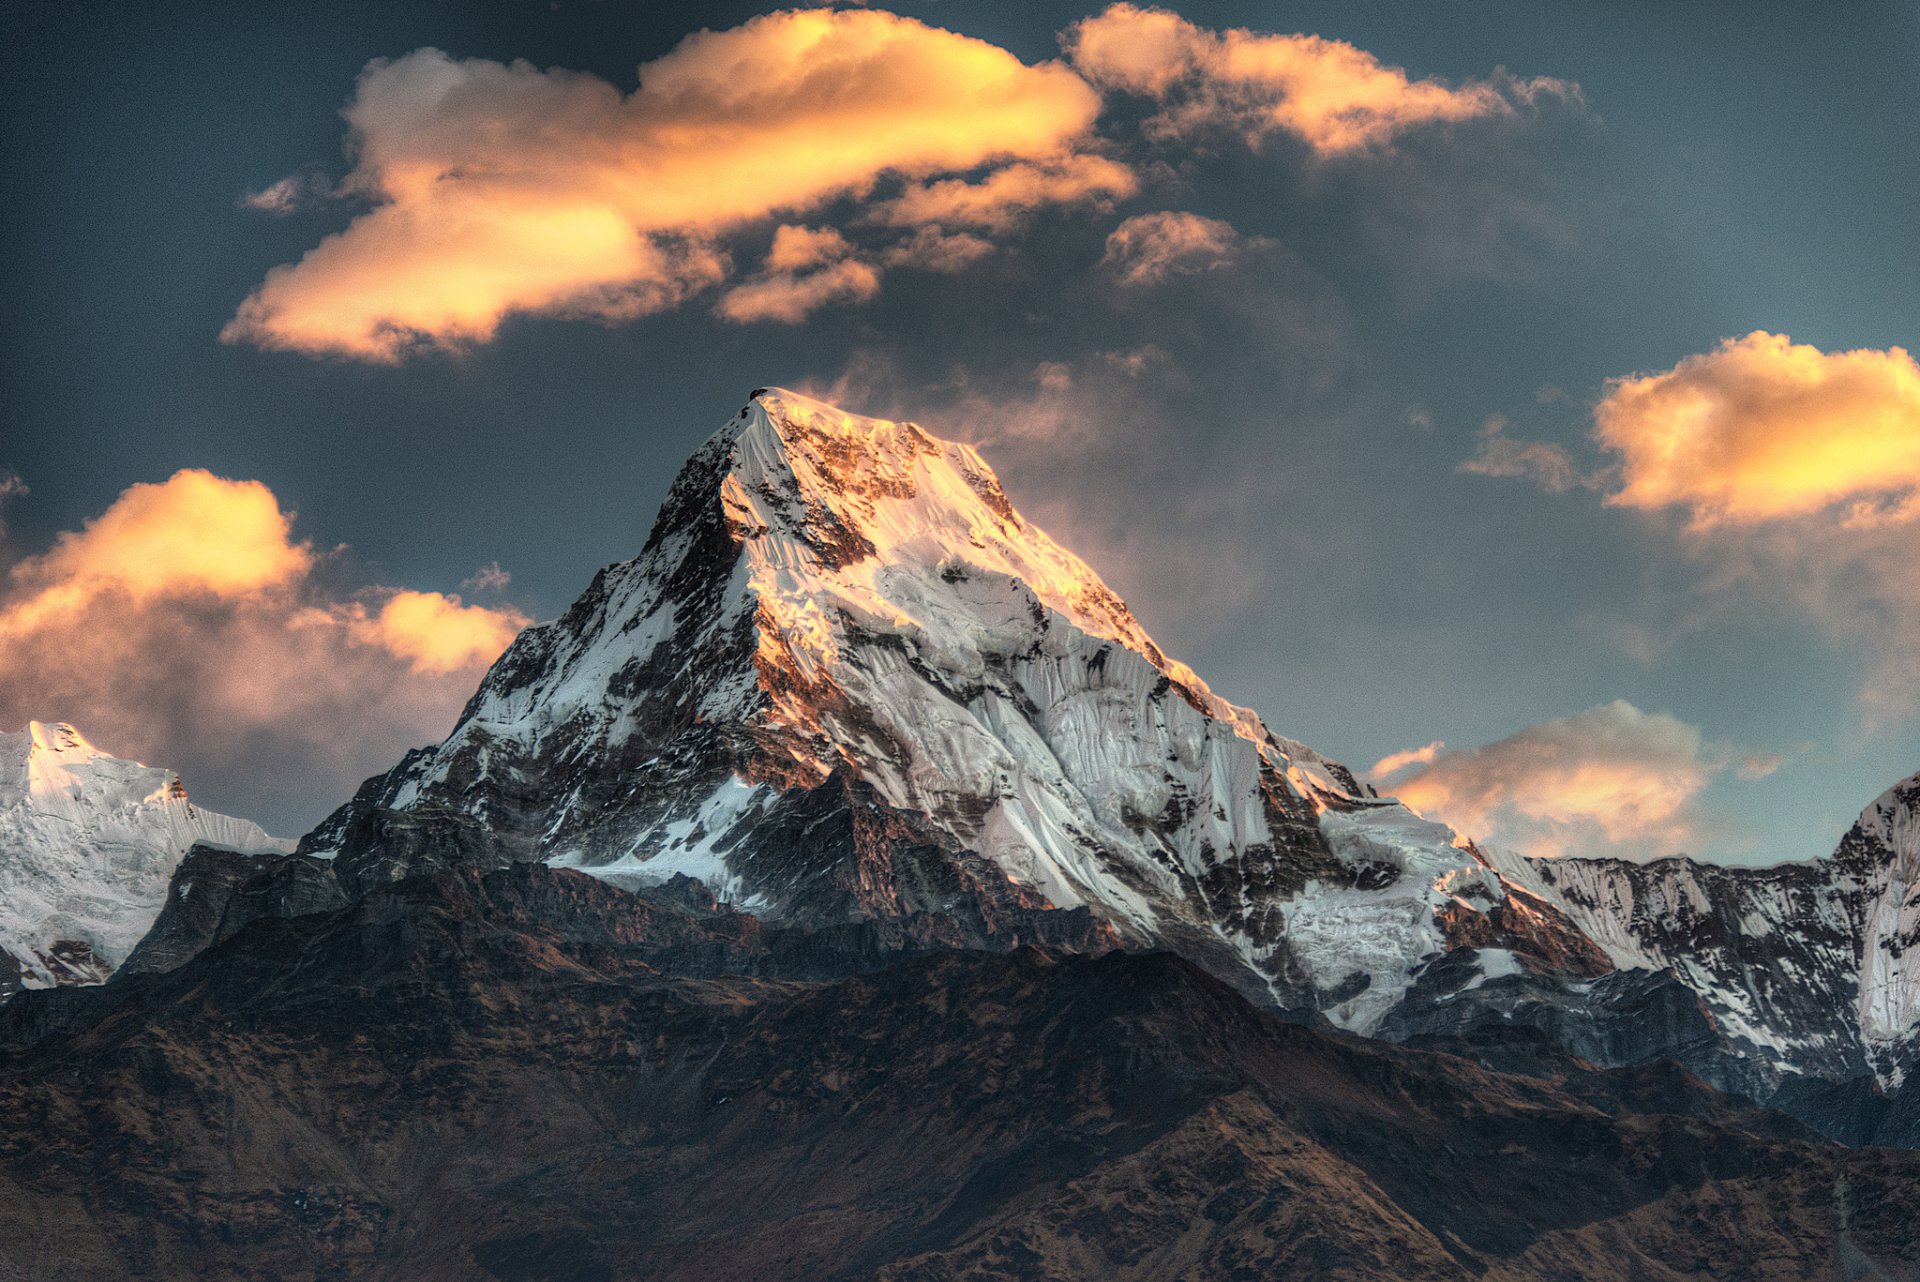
[1513, 401]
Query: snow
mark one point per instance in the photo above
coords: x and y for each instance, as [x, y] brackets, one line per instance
[88, 843]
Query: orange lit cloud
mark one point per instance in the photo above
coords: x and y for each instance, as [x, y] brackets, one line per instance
[435, 632]
[1612, 780]
[1334, 97]
[1763, 427]
[998, 201]
[1394, 762]
[806, 269]
[501, 189]
[1149, 248]
[186, 625]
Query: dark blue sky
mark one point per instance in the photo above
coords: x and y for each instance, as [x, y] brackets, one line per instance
[1278, 495]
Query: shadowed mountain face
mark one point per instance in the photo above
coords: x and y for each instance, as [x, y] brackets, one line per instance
[533, 1075]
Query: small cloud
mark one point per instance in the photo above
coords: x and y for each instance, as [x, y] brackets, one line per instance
[1420, 417]
[1138, 361]
[1547, 465]
[932, 250]
[435, 632]
[1762, 428]
[1000, 200]
[488, 578]
[11, 487]
[1149, 248]
[798, 248]
[1612, 780]
[1759, 765]
[790, 298]
[1394, 762]
[288, 196]
[1337, 99]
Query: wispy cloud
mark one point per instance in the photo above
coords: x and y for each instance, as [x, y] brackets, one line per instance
[1336, 98]
[1148, 248]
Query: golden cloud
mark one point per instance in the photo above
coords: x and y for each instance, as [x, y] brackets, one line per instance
[187, 625]
[1612, 780]
[1762, 428]
[998, 201]
[501, 189]
[1334, 97]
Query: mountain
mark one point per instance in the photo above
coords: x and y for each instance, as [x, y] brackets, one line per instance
[531, 1076]
[88, 845]
[1804, 964]
[846, 679]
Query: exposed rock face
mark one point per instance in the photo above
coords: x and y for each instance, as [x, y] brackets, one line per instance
[88, 843]
[533, 1075]
[1803, 964]
[217, 893]
[846, 680]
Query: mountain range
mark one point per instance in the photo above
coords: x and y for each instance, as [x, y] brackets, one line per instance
[857, 827]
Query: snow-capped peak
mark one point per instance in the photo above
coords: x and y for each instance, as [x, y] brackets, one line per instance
[88, 842]
[856, 513]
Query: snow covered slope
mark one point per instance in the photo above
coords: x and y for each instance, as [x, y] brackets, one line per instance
[1806, 962]
[87, 844]
[846, 678]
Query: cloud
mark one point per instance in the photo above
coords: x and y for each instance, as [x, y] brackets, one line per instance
[1148, 248]
[1337, 99]
[289, 195]
[501, 189]
[933, 250]
[1762, 428]
[435, 633]
[187, 625]
[806, 269]
[1612, 780]
[1394, 762]
[1545, 464]
[488, 578]
[11, 487]
[1000, 200]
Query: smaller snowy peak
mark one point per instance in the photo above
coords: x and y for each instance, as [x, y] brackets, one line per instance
[88, 842]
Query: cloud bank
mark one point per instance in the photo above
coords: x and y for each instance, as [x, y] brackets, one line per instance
[186, 625]
[500, 189]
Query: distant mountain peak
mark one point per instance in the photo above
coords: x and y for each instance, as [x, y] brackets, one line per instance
[88, 842]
